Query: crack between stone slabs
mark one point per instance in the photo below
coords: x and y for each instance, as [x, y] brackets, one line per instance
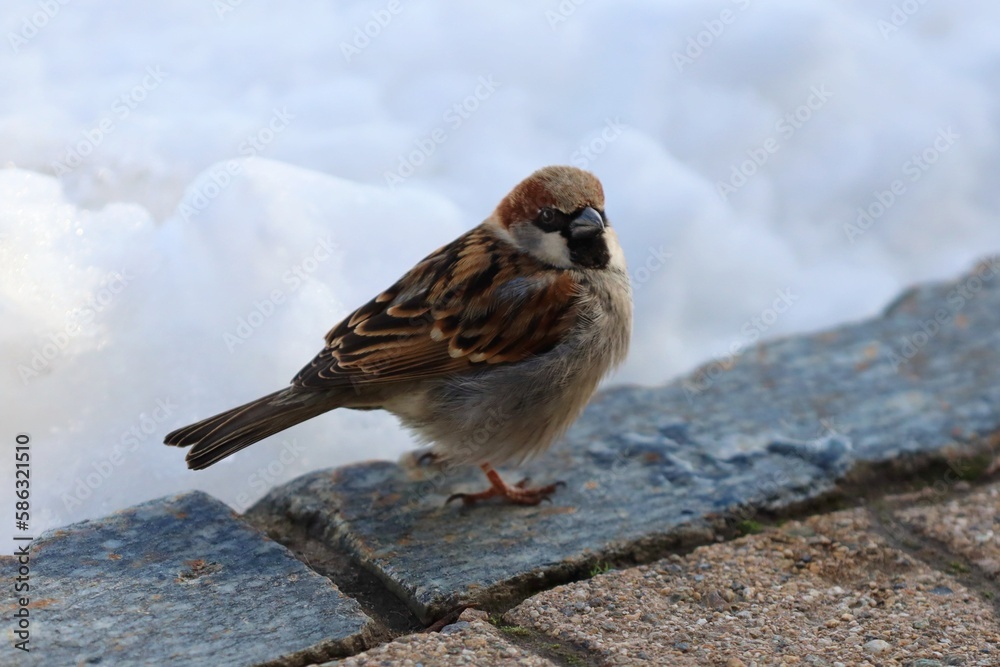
[869, 481]
[311, 545]
[969, 459]
[317, 654]
[932, 552]
[383, 606]
[502, 597]
[562, 653]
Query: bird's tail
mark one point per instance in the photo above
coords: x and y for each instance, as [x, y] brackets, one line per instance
[217, 437]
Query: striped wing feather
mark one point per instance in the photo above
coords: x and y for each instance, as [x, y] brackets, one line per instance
[473, 302]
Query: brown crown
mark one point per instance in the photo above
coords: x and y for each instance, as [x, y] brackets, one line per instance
[565, 188]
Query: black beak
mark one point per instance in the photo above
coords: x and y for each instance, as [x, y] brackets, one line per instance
[587, 224]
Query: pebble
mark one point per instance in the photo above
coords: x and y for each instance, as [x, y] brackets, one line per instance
[877, 646]
[455, 627]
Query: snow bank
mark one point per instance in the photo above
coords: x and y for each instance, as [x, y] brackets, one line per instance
[194, 193]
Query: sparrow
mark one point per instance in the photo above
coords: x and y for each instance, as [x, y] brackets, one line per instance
[489, 348]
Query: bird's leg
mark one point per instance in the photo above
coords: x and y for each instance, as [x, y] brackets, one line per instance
[519, 494]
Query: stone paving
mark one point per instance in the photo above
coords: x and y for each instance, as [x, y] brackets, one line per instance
[816, 592]
[899, 414]
[181, 581]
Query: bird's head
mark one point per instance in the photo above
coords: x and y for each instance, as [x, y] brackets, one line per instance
[557, 215]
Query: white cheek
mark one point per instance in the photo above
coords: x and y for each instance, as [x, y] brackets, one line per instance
[552, 248]
[615, 250]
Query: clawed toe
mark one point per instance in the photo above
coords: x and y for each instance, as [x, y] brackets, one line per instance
[518, 494]
[543, 493]
[468, 498]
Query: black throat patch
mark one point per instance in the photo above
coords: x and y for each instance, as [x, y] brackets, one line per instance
[591, 253]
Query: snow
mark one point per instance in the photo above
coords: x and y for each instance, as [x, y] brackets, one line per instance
[192, 194]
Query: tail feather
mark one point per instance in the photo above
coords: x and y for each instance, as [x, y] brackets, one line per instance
[217, 437]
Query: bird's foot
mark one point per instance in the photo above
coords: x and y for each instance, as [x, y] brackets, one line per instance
[518, 494]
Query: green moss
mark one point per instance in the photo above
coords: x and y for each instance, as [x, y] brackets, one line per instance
[750, 527]
[514, 630]
[565, 655]
[600, 568]
[957, 567]
[971, 468]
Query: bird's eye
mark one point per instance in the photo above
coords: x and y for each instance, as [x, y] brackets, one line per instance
[550, 220]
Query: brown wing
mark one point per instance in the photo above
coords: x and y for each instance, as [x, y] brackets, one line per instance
[474, 302]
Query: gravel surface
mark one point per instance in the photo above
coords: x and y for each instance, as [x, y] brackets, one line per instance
[470, 641]
[969, 526]
[824, 591]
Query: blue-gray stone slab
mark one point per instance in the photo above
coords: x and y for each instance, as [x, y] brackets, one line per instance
[180, 581]
[780, 424]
